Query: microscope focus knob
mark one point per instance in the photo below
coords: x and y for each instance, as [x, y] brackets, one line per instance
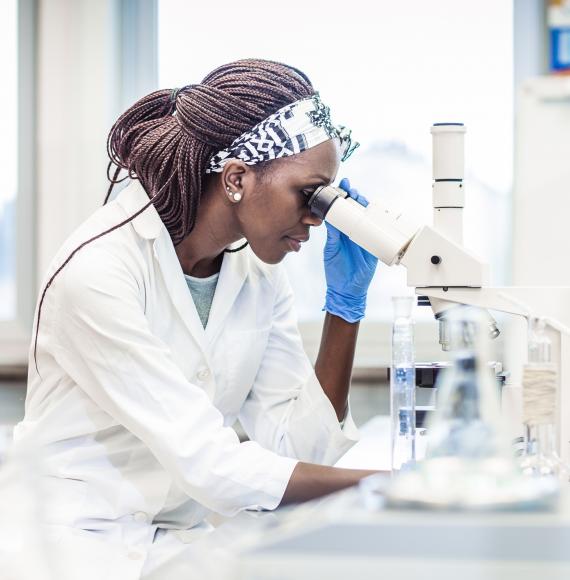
[436, 260]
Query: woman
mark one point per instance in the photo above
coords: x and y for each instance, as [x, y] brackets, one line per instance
[157, 327]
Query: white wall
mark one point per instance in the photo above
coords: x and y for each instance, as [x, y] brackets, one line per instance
[541, 208]
[541, 200]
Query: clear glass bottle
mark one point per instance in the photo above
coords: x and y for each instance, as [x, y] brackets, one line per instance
[403, 386]
[541, 458]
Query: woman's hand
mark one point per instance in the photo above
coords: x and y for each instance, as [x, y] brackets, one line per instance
[348, 269]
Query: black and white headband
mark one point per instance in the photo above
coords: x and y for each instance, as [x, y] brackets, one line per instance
[291, 130]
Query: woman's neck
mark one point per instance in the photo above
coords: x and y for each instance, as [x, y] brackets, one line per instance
[201, 268]
[201, 252]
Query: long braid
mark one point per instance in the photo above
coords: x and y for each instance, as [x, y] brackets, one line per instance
[167, 138]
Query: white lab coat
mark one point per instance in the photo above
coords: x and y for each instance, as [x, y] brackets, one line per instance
[134, 400]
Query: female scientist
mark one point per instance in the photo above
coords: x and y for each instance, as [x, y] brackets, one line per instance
[157, 327]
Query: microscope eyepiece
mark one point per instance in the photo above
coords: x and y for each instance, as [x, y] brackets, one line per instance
[322, 199]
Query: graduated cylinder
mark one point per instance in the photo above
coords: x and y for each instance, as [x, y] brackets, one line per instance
[403, 386]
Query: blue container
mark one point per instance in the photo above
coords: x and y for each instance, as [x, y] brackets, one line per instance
[560, 49]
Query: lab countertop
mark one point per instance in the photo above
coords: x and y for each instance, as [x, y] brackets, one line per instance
[343, 535]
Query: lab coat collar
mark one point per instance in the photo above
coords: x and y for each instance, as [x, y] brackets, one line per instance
[132, 198]
[232, 277]
[233, 273]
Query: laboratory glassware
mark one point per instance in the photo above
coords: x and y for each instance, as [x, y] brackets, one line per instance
[469, 462]
[403, 386]
[467, 420]
[540, 458]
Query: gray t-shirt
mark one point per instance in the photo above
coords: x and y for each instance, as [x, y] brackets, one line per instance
[202, 290]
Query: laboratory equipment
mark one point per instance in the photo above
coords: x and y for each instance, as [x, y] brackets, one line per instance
[426, 378]
[402, 386]
[445, 274]
[469, 462]
[467, 421]
[539, 406]
[433, 256]
[558, 18]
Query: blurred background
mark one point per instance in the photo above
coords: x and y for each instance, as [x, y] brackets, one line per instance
[387, 69]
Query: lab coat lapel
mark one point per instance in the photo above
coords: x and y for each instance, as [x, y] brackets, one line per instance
[232, 277]
[177, 288]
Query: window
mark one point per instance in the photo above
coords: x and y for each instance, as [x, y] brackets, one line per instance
[388, 70]
[17, 216]
[8, 158]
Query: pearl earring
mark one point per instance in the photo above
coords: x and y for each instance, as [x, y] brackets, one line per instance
[235, 195]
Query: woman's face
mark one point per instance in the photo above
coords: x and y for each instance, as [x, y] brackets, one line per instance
[273, 213]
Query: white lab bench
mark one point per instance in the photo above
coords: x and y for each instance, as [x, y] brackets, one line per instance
[339, 538]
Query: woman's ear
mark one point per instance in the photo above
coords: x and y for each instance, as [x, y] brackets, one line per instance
[232, 176]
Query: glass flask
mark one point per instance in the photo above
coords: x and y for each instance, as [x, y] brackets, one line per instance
[403, 386]
[467, 420]
[541, 457]
[469, 462]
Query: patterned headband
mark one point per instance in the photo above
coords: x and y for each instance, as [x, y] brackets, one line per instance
[291, 130]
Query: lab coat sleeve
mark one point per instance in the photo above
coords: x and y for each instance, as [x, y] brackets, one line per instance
[287, 409]
[105, 344]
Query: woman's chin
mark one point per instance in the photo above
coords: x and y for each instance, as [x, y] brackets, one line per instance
[268, 256]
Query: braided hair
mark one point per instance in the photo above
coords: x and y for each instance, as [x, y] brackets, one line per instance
[167, 138]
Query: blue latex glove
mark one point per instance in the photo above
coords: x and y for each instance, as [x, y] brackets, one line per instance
[348, 269]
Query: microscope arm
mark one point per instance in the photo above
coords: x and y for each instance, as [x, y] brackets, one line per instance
[434, 260]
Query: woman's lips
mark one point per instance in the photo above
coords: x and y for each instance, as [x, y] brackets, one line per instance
[295, 243]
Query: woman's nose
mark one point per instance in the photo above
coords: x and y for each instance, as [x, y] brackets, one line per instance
[310, 219]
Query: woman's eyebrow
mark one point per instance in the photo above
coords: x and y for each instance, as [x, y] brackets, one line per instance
[313, 185]
[318, 180]
[320, 177]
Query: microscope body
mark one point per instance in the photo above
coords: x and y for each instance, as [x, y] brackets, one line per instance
[433, 256]
[445, 274]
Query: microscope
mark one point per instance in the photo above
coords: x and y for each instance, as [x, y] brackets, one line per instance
[445, 274]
